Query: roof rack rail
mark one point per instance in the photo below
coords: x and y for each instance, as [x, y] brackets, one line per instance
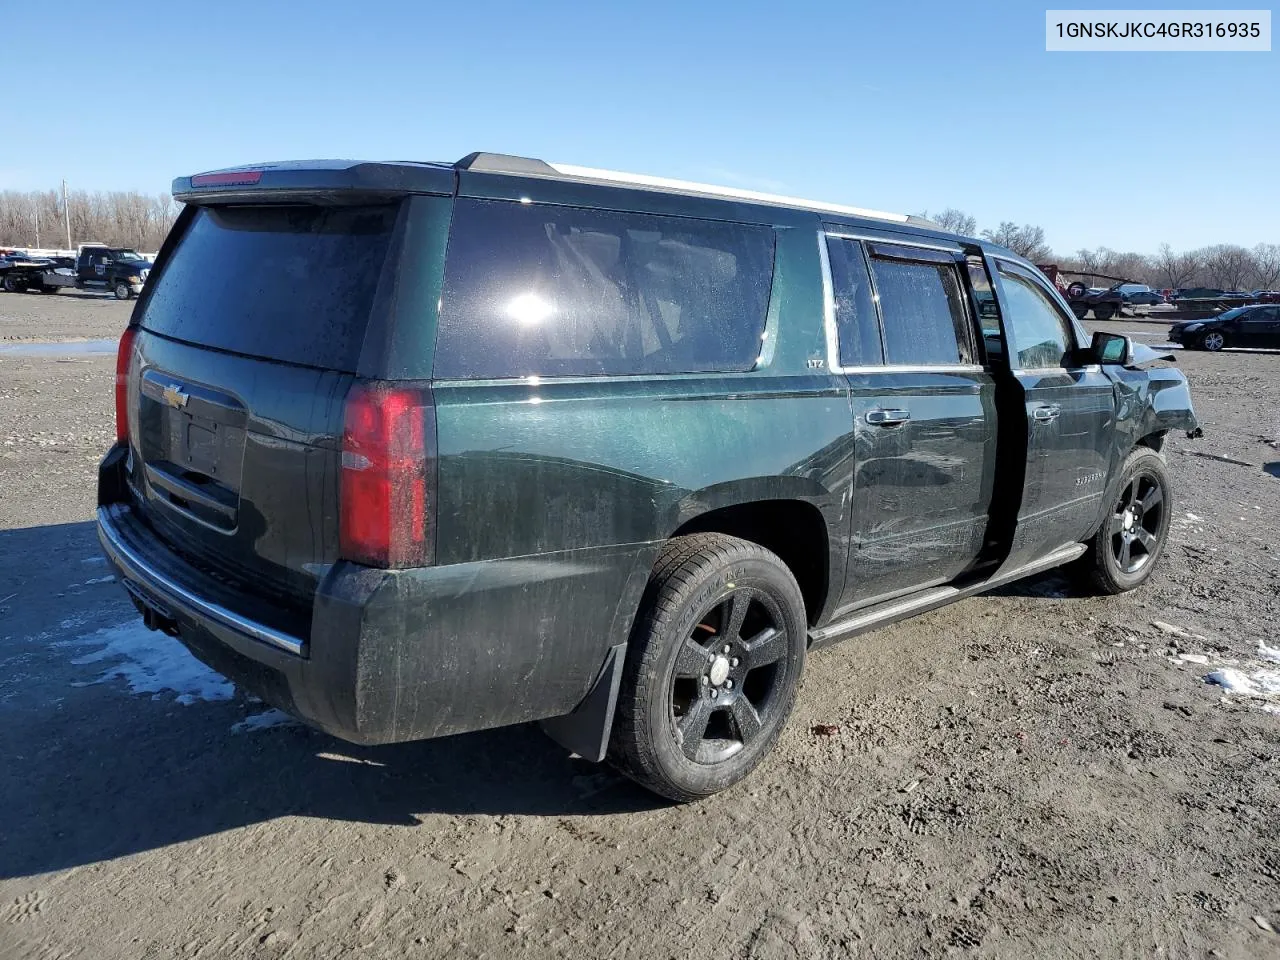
[734, 193]
[527, 166]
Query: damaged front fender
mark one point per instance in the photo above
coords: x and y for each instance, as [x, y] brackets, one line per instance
[1152, 401]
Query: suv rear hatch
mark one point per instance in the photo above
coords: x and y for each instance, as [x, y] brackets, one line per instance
[250, 336]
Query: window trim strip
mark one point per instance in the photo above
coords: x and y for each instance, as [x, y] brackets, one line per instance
[848, 235]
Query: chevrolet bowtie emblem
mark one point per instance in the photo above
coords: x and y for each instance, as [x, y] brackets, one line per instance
[175, 397]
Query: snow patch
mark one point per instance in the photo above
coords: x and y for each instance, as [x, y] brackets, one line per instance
[1269, 653]
[1257, 682]
[1233, 681]
[152, 662]
[88, 583]
[264, 721]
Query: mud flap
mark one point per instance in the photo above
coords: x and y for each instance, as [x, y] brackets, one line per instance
[585, 731]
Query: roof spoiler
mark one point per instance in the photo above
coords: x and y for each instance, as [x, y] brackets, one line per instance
[314, 181]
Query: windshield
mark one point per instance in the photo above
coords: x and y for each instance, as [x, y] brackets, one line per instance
[1232, 314]
[126, 255]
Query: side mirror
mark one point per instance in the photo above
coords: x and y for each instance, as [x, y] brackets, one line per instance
[1112, 348]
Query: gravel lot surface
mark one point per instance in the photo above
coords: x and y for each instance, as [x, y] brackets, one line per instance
[1036, 773]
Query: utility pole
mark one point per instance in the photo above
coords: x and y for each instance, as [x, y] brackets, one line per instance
[66, 214]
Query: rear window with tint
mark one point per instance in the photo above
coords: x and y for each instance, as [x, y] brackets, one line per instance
[284, 283]
[923, 311]
[559, 291]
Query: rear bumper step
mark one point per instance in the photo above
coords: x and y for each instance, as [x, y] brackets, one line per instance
[174, 595]
[390, 655]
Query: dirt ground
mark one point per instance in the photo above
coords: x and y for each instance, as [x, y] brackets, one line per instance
[1037, 773]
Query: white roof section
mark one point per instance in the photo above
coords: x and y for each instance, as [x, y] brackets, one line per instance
[665, 183]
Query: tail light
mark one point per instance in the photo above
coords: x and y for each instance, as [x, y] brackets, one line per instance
[124, 353]
[388, 470]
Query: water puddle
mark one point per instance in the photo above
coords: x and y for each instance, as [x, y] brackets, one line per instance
[59, 350]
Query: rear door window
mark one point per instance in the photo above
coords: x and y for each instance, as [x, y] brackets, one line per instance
[922, 307]
[563, 291]
[290, 283]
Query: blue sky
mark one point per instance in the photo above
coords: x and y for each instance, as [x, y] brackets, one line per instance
[897, 106]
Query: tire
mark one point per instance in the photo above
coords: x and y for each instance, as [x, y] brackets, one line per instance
[1104, 311]
[1079, 309]
[1213, 341]
[11, 284]
[122, 291]
[1111, 566]
[678, 677]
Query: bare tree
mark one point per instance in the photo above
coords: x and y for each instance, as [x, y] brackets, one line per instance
[1227, 265]
[1026, 241]
[131, 219]
[1176, 269]
[954, 221]
[1266, 266]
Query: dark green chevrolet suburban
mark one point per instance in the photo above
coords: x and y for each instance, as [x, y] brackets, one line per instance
[411, 449]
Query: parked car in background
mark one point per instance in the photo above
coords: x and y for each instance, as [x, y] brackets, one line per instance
[415, 449]
[1256, 326]
[1138, 295]
[1266, 296]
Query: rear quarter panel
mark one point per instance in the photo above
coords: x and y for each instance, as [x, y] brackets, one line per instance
[582, 479]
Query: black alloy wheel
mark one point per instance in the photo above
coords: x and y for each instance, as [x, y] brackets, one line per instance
[1123, 553]
[725, 685]
[713, 666]
[1137, 523]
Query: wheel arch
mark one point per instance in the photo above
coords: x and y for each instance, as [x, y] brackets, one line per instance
[1154, 440]
[795, 530]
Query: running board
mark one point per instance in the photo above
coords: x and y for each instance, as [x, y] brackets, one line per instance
[893, 611]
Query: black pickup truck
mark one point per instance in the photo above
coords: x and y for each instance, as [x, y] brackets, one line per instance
[120, 270]
[476, 444]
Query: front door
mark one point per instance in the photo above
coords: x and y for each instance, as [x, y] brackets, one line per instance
[1070, 417]
[923, 416]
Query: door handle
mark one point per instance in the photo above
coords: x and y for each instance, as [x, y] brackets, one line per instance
[1046, 413]
[886, 418]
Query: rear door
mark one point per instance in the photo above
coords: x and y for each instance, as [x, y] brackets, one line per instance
[1069, 411]
[923, 414]
[250, 336]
